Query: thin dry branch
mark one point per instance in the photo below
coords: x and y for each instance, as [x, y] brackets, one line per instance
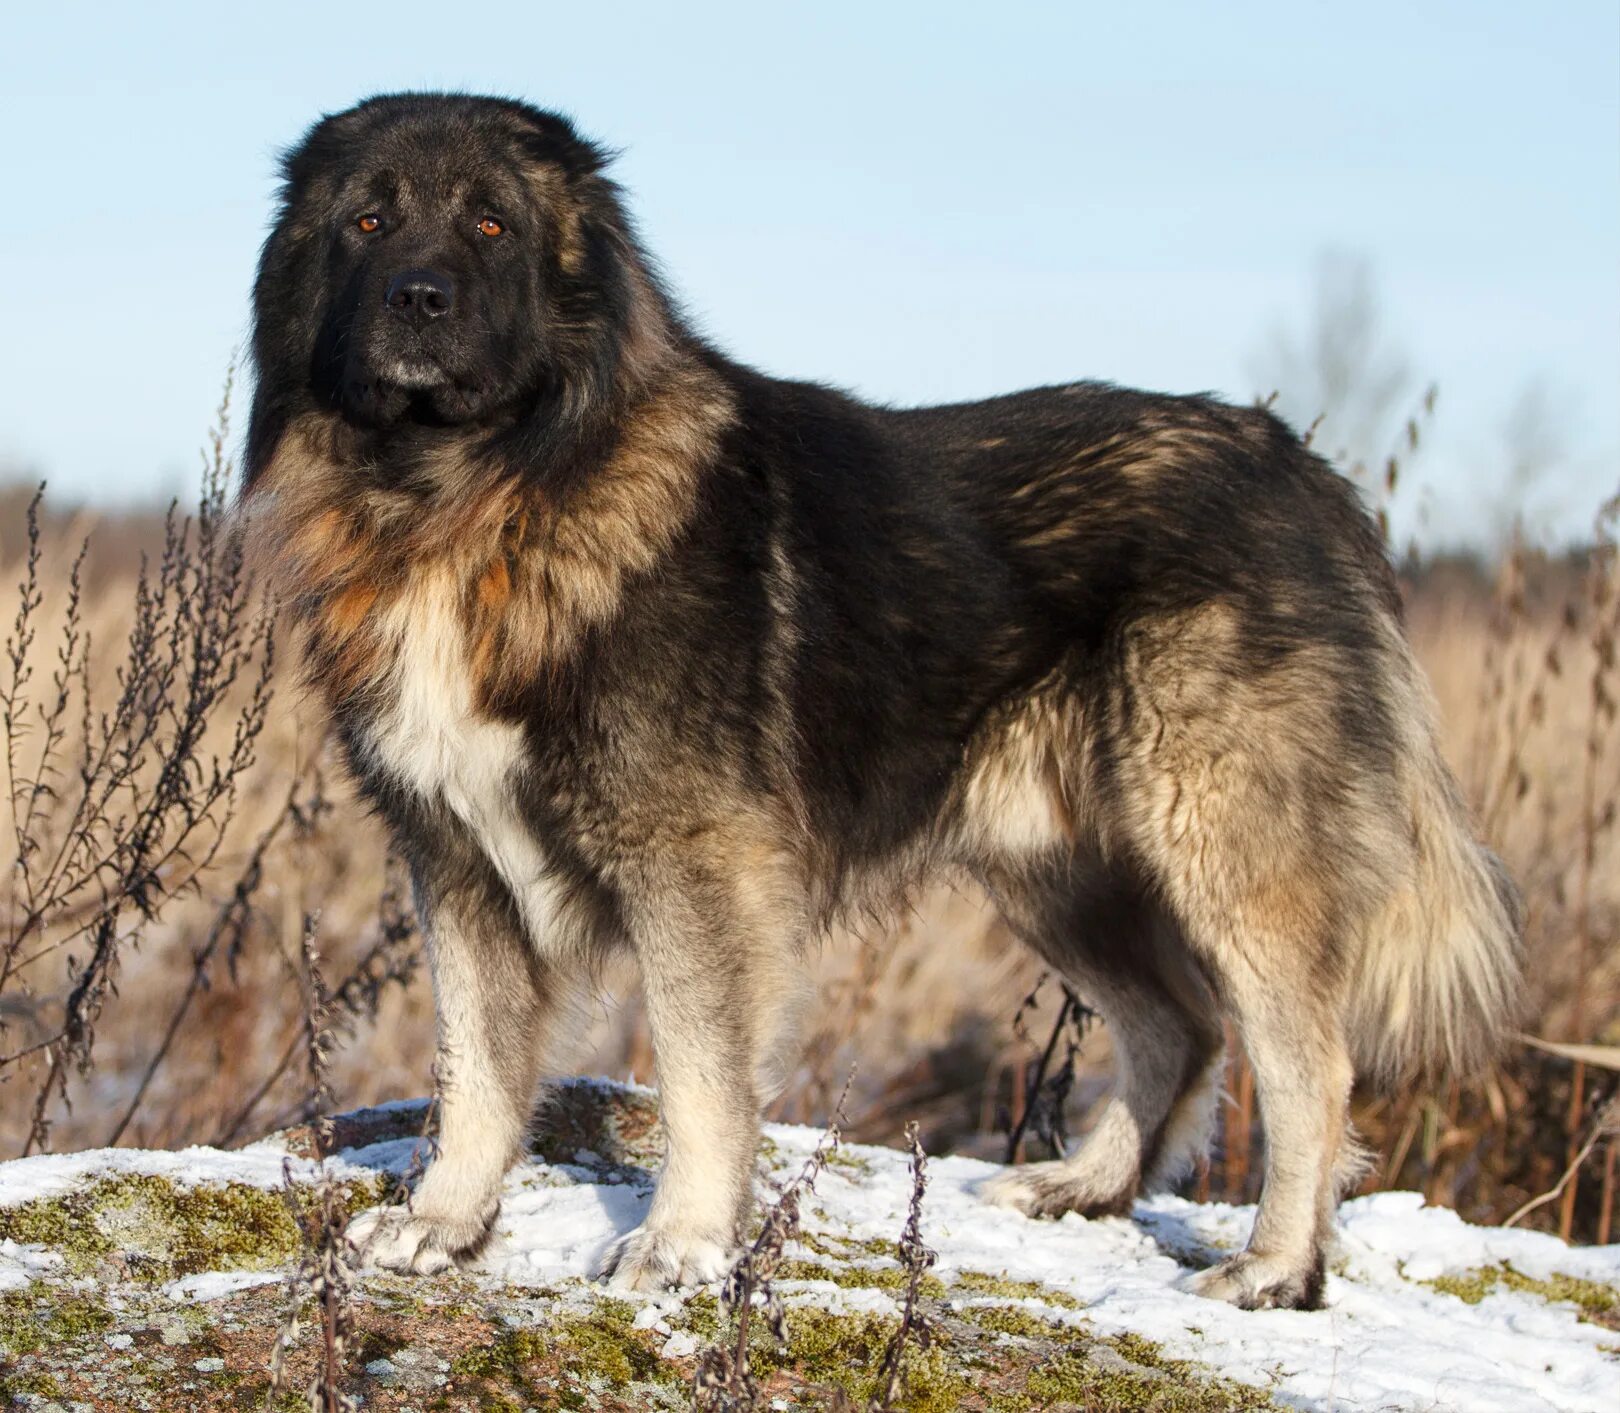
[117, 809]
[329, 1265]
[723, 1381]
[916, 1258]
[1605, 1125]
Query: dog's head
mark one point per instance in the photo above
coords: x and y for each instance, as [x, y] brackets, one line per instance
[438, 261]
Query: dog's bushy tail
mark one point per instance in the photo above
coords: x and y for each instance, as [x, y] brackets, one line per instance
[1437, 977]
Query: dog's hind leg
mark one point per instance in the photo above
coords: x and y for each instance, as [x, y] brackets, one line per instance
[1294, 1038]
[1261, 915]
[1105, 938]
[1264, 901]
[1256, 783]
[1184, 1139]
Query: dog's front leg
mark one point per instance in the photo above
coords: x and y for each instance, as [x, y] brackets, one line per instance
[498, 1000]
[715, 968]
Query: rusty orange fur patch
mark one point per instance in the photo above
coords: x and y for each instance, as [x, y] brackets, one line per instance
[348, 609]
[495, 587]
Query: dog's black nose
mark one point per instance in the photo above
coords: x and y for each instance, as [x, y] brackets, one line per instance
[420, 295]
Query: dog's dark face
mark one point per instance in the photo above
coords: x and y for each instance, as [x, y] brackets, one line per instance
[430, 262]
[430, 278]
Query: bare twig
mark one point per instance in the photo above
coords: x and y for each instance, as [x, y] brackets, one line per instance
[118, 808]
[1606, 1125]
[1045, 1090]
[328, 1266]
[723, 1381]
[230, 922]
[393, 958]
[916, 1258]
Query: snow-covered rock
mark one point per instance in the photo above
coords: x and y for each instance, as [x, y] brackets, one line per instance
[158, 1280]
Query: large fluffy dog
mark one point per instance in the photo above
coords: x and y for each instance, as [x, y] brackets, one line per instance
[633, 647]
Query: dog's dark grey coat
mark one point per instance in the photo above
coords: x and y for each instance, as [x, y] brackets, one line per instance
[634, 647]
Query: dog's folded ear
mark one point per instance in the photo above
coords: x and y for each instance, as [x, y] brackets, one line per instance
[551, 137]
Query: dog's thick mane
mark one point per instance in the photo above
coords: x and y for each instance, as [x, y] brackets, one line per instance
[533, 564]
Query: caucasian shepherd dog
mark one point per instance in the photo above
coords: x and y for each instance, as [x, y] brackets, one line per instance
[636, 648]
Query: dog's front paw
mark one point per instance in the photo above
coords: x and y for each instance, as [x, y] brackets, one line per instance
[1051, 1189]
[651, 1260]
[417, 1242]
[1254, 1281]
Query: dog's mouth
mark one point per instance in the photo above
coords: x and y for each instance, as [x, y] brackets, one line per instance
[386, 376]
[407, 386]
[413, 372]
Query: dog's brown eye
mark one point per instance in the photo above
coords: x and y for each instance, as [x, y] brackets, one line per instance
[370, 223]
[490, 226]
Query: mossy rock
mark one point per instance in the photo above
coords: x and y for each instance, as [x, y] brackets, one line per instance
[1102, 1375]
[997, 1358]
[148, 1228]
[102, 1326]
[619, 1125]
[567, 1358]
[359, 1128]
[984, 1283]
[41, 1316]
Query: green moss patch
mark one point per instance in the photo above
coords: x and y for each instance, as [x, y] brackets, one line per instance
[1103, 1376]
[45, 1315]
[851, 1165]
[605, 1344]
[1016, 1320]
[27, 1388]
[982, 1283]
[859, 1277]
[846, 1351]
[701, 1315]
[157, 1230]
[507, 1356]
[569, 1354]
[833, 1247]
[1598, 1303]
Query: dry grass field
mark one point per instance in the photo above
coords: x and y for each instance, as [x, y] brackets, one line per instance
[193, 877]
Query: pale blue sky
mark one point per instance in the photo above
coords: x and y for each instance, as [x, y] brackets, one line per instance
[921, 202]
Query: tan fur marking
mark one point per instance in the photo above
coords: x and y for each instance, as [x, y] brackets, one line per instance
[495, 588]
[1015, 793]
[550, 185]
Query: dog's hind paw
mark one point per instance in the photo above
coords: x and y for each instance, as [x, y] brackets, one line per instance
[417, 1243]
[1253, 1281]
[649, 1260]
[1051, 1189]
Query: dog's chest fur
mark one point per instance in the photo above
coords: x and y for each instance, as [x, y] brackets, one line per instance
[430, 738]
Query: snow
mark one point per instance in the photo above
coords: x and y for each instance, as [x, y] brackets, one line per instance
[54, 1174]
[1386, 1340]
[213, 1285]
[20, 1266]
